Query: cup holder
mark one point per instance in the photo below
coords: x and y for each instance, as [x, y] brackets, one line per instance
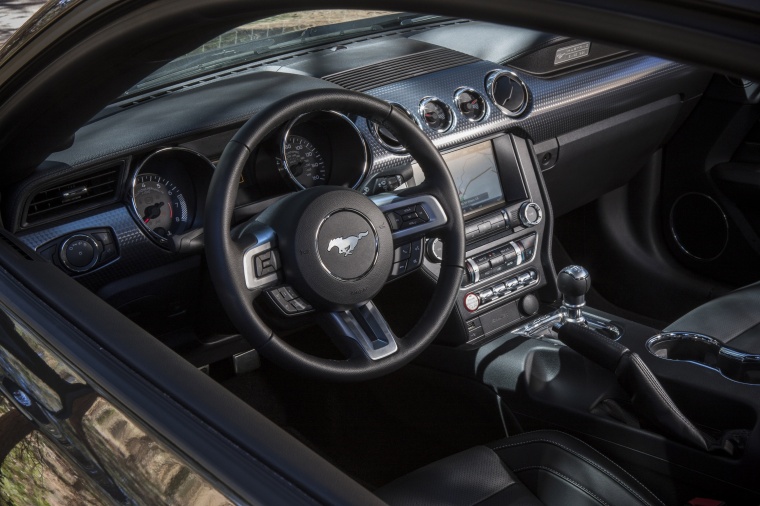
[709, 352]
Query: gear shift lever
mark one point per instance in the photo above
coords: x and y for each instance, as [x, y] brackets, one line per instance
[574, 282]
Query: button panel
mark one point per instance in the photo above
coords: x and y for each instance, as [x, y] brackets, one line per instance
[485, 225]
[407, 257]
[500, 259]
[82, 251]
[474, 301]
[266, 263]
[383, 184]
[408, 216]
[288, 301]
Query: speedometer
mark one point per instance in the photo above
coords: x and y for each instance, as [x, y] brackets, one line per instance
[303, 162]
[160, 205]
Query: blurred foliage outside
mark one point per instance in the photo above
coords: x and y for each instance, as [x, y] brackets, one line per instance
[284, 23]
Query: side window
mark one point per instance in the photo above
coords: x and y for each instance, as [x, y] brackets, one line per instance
[62, 443]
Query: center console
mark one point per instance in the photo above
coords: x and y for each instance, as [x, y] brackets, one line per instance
[507, 221]
[675, 389]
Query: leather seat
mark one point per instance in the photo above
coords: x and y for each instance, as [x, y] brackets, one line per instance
[733, 319]
[543, 467]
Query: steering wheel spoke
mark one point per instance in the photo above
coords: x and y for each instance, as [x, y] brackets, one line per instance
[260, 257]
[364, 328]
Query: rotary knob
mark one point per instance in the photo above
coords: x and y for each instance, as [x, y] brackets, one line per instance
[79, 253]
[434, 250]
[530, 214]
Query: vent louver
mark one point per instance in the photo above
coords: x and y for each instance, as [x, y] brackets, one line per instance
[74, 195]
[399, 69]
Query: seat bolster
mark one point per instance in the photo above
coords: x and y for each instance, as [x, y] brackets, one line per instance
[733, 319]
[473, 477]
[556, 467]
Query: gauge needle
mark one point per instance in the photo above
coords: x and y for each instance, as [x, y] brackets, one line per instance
[152, 212]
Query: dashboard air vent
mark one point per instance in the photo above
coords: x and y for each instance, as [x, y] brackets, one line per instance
[74, 195]
[398, 69]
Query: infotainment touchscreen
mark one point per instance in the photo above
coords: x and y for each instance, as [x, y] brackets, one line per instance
[476, 177]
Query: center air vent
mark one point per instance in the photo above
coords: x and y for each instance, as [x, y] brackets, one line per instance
[74, 195]
[507, 91]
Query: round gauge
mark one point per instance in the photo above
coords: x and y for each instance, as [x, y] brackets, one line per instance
[304, 162]
[436, 114]
[160, 205]
[386, 137]
[471, 104]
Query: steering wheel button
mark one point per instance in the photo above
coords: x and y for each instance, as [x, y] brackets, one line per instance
[405, 210]
[410, 216]
[421, 213]
[402, 252]
[399, 268]
[394, 220]
[288, 293]
[258, 267]
[413, 223]
[300, 305]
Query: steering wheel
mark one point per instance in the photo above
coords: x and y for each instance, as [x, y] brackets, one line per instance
[329, 250]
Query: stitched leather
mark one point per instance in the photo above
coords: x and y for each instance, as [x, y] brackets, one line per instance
[565, 478]
[549, 468]
[653, 403]
[584, 453]
[733, 319]
[591, 344]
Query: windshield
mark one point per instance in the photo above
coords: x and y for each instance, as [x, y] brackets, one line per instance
[271, 36]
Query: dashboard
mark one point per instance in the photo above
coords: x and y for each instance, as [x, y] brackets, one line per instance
[525, 138]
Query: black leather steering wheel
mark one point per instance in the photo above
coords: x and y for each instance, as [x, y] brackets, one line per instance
[332, 246]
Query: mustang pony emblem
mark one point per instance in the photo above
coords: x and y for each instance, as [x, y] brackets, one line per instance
[346, 246]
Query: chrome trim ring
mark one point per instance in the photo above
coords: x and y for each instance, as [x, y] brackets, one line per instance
[486, 107]
[675, 235]
[283, 166]
[374, 231]
[163, 241]
[491, 80]
[450, 111]
[374, 128]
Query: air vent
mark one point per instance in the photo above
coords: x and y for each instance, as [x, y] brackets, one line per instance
[399, 69]
[74, 195]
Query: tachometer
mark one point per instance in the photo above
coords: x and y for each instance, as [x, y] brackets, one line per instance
[160, 205]
[303, 162]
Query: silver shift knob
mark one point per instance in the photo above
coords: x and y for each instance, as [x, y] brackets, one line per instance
[574, 282]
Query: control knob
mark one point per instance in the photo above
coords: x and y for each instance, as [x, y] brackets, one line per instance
[434, 250]
[79, 253]
[530, 214]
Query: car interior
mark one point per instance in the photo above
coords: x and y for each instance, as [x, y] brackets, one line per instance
[404, 246]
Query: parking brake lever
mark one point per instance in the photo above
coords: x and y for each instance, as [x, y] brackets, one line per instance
[649, 399]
